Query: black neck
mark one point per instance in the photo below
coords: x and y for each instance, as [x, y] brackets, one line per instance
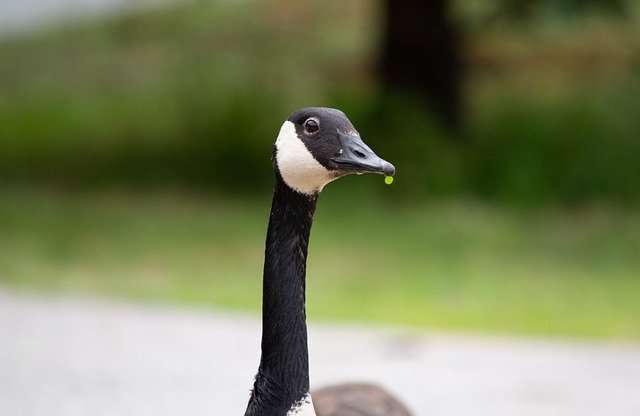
[283, 376]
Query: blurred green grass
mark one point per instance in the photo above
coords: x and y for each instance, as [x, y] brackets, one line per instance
[526, 222]
[192, 94]
[450, 263]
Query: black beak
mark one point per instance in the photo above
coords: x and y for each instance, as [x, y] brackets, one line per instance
[357, 157]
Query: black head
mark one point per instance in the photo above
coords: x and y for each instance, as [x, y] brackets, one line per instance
[317, 145]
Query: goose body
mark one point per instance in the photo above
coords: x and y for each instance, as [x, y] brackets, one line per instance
[357, 399]
[314, 146]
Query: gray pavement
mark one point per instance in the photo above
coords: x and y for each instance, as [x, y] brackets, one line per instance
[62, 355]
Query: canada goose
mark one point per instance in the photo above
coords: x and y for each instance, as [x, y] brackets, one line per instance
[314, 147]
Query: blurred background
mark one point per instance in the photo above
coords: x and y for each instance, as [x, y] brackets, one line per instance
[135, 143]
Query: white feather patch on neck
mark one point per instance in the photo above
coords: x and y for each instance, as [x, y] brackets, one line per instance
[299, 169]
[303, 408]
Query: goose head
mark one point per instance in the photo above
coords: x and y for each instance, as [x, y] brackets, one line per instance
[317, 145]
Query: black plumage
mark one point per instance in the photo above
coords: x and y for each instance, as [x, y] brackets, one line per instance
[320, 145]
[283, 374]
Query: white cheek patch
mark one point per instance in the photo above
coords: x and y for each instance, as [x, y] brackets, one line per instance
[303, 408]
[299, 169]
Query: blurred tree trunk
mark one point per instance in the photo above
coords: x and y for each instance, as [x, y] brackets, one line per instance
[419, 55]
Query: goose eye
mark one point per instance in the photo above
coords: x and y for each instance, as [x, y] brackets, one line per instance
[311, 126]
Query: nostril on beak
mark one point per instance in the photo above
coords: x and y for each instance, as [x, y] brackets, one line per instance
[359, 154]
